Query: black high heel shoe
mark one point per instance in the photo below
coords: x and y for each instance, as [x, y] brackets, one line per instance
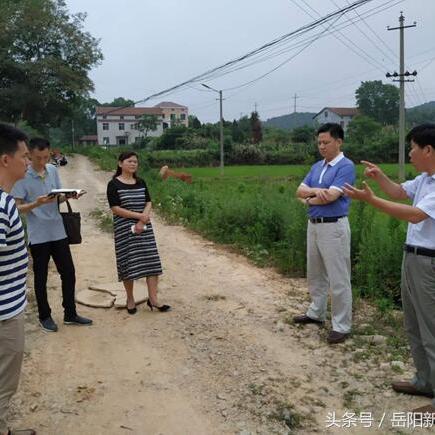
[131, 310]
[162, 308]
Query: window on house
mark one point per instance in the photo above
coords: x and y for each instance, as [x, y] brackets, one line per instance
[183, 116]
[105, 126]
[172, 116]
[326, 113]
[121, 117]
[133, 126]
[104, 116]
[163, 116]
[106, 140]
[342, 124]
[121, 126]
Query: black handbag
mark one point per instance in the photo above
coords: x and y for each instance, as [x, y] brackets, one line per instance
[72, 223]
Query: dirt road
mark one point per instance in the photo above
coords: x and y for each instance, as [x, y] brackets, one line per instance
[224, 361]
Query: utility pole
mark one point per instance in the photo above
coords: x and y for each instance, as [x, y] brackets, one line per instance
[295, 97]
[402, 74]
[221, 127]
[221, 132]
[255, 107]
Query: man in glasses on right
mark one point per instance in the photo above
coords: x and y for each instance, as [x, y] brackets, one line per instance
[418, 267]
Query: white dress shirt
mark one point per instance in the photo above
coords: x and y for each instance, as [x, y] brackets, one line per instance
[422, 192]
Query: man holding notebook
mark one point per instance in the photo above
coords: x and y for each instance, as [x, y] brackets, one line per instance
[46, 234]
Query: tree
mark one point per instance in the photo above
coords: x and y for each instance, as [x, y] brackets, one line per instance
[236, 132]
[194, 122]
[147, 123]
[303, 134]
[119, 102]
[83, 118]
[379, 101]
[256, 129]
[168, 140]
[362, 130]
[45, 58]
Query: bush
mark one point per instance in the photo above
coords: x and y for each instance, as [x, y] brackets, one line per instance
[268, 224]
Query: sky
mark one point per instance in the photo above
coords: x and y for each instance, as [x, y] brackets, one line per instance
[150, 46]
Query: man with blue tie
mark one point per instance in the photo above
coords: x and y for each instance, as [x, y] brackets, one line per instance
[328, 234]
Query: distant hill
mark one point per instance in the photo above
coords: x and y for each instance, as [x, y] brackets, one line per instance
[423, 113]
[289, 122]
[414, 115]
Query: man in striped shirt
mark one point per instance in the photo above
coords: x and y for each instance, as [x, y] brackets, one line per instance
[13, 269]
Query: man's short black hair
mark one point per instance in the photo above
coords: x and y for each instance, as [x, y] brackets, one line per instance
[334, 129]
[422, 135]
[39, 143]
[9, 138]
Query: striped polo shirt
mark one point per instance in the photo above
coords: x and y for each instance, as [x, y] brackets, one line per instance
[13, 259]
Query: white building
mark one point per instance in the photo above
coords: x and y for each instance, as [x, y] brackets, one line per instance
[339, 115]
[118, 125]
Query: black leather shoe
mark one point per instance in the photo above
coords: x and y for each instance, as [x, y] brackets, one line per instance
[336, 337]
[304, 319]
[48, 325]
[77, 320]
[409, 388]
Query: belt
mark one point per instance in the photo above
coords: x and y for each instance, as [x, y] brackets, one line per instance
[420, 251]
[325, 220]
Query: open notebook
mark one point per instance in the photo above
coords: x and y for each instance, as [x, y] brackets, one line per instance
[68, 192]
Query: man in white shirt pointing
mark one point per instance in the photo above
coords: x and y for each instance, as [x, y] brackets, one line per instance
[418, 267]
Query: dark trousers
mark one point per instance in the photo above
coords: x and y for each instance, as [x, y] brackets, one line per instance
[60, 252]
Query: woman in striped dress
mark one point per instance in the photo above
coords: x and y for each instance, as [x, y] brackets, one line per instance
[135, 245]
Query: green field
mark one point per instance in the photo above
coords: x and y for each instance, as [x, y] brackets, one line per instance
[254, 209]
[280, 171]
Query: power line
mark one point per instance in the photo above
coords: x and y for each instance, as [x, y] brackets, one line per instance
[421, 91]
[275, 68]
[310, 41]
[412, 94]
[375, 33]
[392, 59]
[291, 35]
[270, 53]
[348, 43]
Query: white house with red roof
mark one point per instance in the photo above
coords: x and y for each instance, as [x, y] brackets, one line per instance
[118, 125]
[339, 115]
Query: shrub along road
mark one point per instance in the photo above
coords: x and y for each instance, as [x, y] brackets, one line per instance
[224, 361]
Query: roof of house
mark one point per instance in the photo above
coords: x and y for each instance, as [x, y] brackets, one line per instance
[89, 137]
[136, 111]
[169, 104]
[341, 111]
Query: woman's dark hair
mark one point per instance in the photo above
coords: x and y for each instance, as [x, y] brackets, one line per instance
[124, 156]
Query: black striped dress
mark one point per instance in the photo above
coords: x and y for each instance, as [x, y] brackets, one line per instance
[136, 254]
